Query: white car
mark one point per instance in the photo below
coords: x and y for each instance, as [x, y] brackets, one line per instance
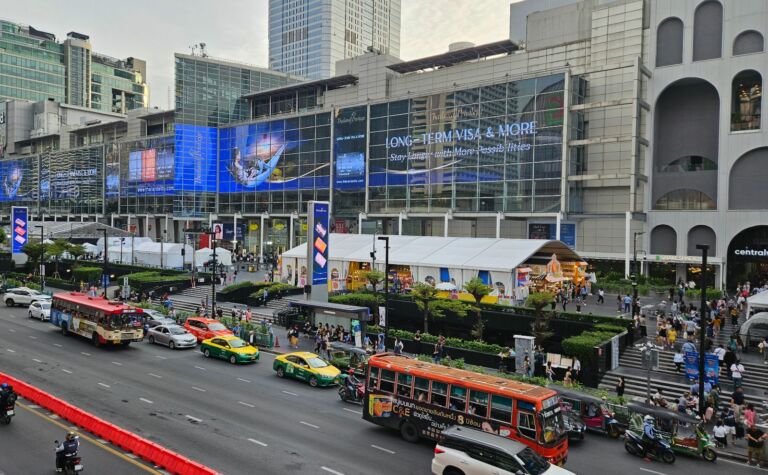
[40, 309]
[466, 451]
[23, 296]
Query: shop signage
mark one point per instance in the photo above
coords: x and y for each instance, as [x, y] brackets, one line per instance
[549, 231]
[751, 252]
[19, 229]
[711, 366]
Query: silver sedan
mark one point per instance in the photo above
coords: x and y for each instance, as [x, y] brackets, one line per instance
[174, 336]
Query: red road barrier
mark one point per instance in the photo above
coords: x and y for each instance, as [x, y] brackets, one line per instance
[147, 450]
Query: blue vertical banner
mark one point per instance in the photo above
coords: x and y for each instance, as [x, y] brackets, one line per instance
[711, 366]
[319, 243]
[19, 229]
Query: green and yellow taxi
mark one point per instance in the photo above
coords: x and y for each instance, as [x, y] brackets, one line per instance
[230, 348]
[307, 367]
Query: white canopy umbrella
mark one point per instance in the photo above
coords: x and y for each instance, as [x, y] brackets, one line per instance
[223, 256]
[445, 286]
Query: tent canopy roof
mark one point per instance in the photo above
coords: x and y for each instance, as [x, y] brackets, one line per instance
[758, 300]
[500, 255]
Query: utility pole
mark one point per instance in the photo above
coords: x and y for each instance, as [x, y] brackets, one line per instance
[105, 269]
[42, 258]
[635, 306]
[704, 248]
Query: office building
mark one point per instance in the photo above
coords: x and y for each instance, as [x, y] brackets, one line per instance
[210, 91]
[308, 37]
[34, 66]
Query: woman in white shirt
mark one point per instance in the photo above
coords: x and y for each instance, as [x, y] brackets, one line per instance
[720, 431]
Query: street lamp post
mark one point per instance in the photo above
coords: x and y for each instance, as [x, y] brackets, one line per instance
[635, 306]
[105, 270]
[42, 258]
[213, 275]
[162, 239]
[386, 286]
[704, 248]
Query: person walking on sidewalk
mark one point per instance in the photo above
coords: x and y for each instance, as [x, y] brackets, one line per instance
[755, 440]
[600, 296]
[720, 433]
[765, 349]
[737, 373]
[678, 359]
[620, 386]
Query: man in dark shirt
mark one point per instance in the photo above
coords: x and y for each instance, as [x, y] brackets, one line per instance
[738, 397]
[755, 441]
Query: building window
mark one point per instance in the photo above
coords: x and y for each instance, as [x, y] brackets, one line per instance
[708, 31]
[748, 42]
[691, 163]
[692, 200]
[669, 42]
[746, 97]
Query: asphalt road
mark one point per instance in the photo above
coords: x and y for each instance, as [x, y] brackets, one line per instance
[243, 419]
[27, 446]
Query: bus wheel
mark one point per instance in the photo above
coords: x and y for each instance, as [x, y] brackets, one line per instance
[95, 339]
[125, 344]
[409, 432]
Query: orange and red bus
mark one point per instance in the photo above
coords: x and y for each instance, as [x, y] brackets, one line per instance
[96, 318]
[421, 399]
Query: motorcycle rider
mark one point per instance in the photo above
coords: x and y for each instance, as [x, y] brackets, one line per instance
[650, 436]
[68, 448]
[352, 384]
[7, 396]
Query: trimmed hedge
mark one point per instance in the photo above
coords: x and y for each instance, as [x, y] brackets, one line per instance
[240, 285]
[144, 280]
[472, 345]
[87, 274]
[583, 346]
[372, 301]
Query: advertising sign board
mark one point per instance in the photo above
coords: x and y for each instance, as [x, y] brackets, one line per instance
[19, 229]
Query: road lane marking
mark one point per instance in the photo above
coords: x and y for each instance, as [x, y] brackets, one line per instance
[117, 364]
[66, 371]
[352, 411]
[244, 380]
[36, 360]
[12, 330]
[160, 357]
[201, 368]
[309, 425]
[32, 337]
[720, 459]
[652, 471]
[104, 385]
[193, 419]
[97, 442]
[257, 442]
[155, 375]
[10, 350]
[391, 452]
[57, 345]
[292, 394]
[198, 389]
[245, 404]
[145, 400]
[330, 470]
[84, 353]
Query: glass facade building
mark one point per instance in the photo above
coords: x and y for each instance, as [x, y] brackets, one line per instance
[308, 37]
[34, 66]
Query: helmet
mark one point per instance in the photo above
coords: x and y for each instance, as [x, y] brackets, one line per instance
[648, 419]
[70, 435]
[4, 385]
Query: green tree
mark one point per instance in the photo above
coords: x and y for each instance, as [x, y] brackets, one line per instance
[431, 306]
[76, 250]
[540, 326]
[35, 251]
[478, 289]
[56, 250]
[374, 277]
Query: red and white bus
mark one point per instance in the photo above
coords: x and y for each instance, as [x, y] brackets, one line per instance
[421, 399]
[96, 318]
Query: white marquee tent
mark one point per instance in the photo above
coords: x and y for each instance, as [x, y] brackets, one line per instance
[115, 242]
[758, 302]
[463, 258]
[223, 256]
[149, 254]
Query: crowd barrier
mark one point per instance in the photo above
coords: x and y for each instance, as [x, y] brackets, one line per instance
[126, 440]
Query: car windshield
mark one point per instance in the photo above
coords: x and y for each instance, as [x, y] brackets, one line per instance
[534, 463]
[316, 362]
[45, 305]
[177, 331]
[237, 343]
[553, 428]
[216, 327]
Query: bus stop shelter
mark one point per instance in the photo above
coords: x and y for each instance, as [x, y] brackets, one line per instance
[336, 314]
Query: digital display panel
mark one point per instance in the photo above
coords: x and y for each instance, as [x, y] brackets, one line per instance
[12, 176]
[195, 163]
[19, 229]
[349, 148]
[320, 242]
[150, 172]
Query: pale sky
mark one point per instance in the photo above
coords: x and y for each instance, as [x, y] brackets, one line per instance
[235, 29]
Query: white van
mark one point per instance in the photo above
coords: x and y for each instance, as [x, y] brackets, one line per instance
[465, 451]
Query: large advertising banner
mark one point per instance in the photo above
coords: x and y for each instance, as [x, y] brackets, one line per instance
[12, 176]
[711, 366]
[195, 162]
[150, 172]
[349, 148]
[3, 128]
[549, 231]
[19, 229]
[317, 254]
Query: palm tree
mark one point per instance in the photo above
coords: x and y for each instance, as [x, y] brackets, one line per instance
[56, 250]
[478, 289]
[374, 277]
[540, 326]
[36, 253]
[432, 306]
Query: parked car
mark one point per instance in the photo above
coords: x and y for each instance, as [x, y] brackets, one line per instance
[465, 450]
[156, 318]
[230, 348]
[205, 328]
[171, 335]
[40, 309]
[23, 296]
[307, 367]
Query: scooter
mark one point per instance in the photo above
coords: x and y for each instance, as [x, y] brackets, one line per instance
[635, 445]
[8, 410]
[351, 390]
[72, 463]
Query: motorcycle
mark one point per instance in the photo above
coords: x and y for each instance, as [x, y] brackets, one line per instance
[72, 463]
[635, 445]
[351, 390]
[8, 410]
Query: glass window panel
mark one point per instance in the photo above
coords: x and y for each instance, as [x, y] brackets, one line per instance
[458, 398]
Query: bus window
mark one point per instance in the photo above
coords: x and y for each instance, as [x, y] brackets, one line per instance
[526, 424]
[387, 383]
[501, 409]
[478, 403]
[421, 389]
[458, 398]
[439, 393]
[373, 378]
[404, 385]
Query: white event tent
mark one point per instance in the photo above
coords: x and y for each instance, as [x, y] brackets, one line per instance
[223, 256]
[115, 242]
[444, 259]
[758, 301]
[149, 254]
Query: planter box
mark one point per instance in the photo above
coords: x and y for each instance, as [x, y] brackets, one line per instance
[476, 358]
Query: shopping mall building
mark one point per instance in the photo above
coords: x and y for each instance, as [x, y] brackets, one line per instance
[611, 125]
